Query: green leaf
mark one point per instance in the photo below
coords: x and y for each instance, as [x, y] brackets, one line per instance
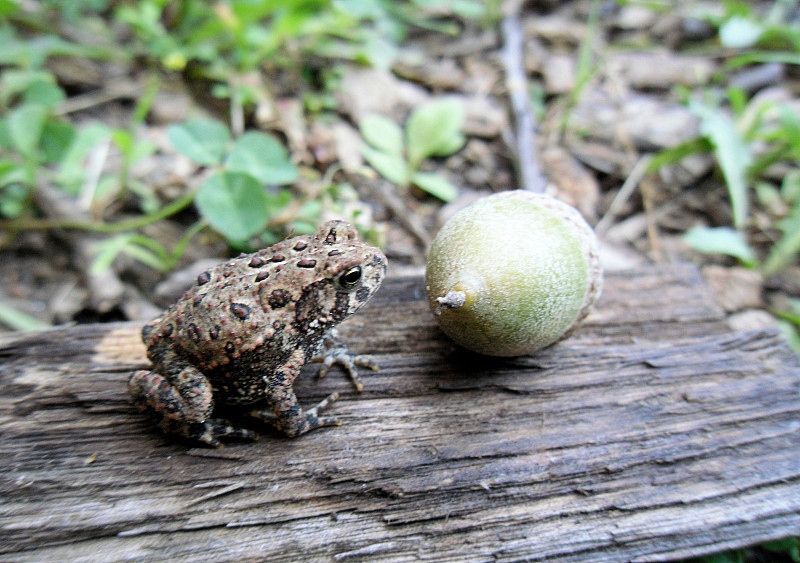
[12, 172]
[142, 148]
[14, 82]
[309, 217]
[106, 188]
[469, 9]
[25, 126]
[739, 32]
[13, 196]
[133, 149]
[677, 153]
[721, 240]
[790, 187]
[731, 153]
[34, 53]
[235, 204]
[432, 128]
[72, 171]
[435, 185]
[789, 546]
[44, 93]
[145, 101]
[455, 144]
[382, 133]
[107, 251]
[792, 315]
[768, 195]
[147, 256]
[735, 556]
[57, 136]
[737, 98]
[5, 136]
[8, 7]
[124, 141]
[783, 57]
[202, 140]
[142, 248]
[378, 51]
[180, 248]
[790, 127]
[17, 320]
[787, 246]
[263, 157]
[391, 167]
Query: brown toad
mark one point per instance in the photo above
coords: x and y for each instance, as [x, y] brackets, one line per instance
[238, 338]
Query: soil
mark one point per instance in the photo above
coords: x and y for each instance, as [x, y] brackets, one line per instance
[593, 135]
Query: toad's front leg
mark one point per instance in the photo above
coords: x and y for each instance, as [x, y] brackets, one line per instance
[285, 412]
[182, 402]
[335, 351]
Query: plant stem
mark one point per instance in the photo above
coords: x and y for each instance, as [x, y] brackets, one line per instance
[99, 226]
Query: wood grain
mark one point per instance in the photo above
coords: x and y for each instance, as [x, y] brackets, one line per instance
[654, 433]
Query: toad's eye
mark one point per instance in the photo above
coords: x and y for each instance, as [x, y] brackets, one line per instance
[349, 278]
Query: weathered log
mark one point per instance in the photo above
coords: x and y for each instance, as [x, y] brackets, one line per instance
[654, 433]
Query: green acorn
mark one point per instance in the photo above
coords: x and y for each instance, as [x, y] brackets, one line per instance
[513, 273]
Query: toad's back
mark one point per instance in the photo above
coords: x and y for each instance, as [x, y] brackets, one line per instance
[267, 304]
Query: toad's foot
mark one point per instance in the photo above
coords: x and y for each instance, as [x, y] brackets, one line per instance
[182, 403]
[335, 352]
[210, 431]
[294, 421]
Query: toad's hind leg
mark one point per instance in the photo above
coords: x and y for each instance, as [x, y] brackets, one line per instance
[181, 402]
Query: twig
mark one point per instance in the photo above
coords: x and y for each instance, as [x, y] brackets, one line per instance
[95, 98]
[528, 170]
[383, 191]
[656, 248]
[625, 192]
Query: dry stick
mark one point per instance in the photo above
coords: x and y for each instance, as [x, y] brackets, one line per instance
[648, 193]
[410, 220]
[626, 191]
[638, 177]
[92, 99]
[528, 170]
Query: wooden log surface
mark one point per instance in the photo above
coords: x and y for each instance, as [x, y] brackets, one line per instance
[654, 433]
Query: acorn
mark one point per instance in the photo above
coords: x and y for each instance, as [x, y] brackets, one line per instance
[513, 273]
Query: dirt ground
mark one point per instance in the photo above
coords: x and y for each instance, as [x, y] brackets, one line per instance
[596, 126]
